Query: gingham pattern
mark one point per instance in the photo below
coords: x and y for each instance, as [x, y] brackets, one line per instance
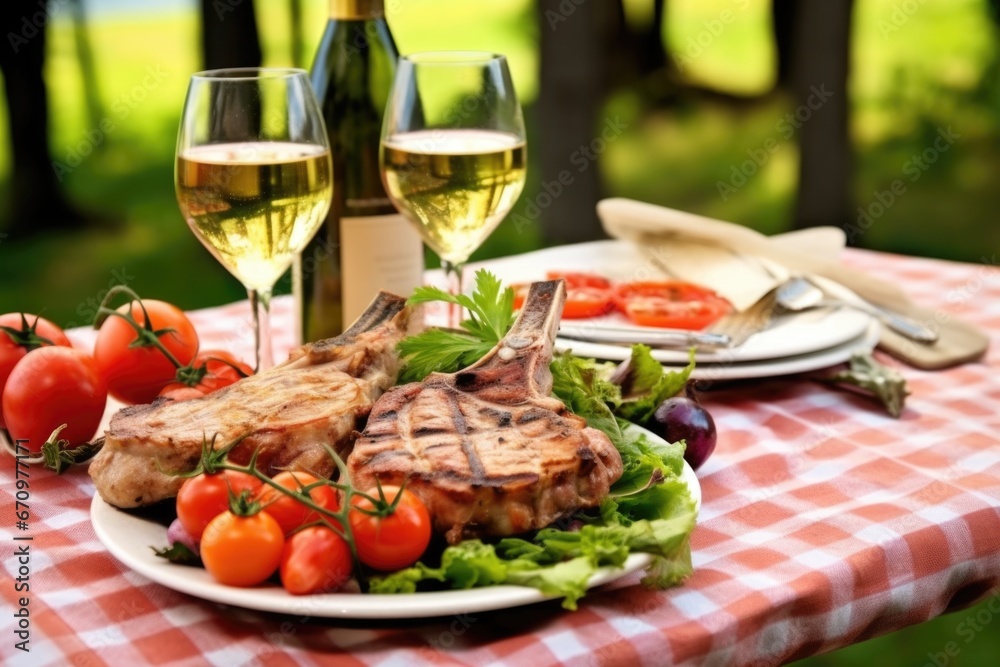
[824, 523]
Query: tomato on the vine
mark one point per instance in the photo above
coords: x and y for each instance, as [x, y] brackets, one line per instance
[242, 550]
[21, 333]
[221, 370]
[315, 560]
[286, 509]
[137, 374]
[203, 497]
[49, 387]
[390, 540]
[671, 304]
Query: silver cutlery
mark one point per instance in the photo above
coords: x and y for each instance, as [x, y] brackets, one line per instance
[665, 338]
[798, 294]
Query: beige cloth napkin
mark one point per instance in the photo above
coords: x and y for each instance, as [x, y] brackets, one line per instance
[742, 265]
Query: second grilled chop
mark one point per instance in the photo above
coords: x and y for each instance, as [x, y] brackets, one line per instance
[487, 449]
[319, 396]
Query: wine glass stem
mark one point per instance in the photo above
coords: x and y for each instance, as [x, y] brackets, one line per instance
[453, 273]
[260, 304]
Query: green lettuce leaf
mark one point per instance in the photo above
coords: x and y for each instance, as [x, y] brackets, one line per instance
[650, 385]
[578, 384]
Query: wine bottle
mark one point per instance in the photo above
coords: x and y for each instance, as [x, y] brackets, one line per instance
[364, 245]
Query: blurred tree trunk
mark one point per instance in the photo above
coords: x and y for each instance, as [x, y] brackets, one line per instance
[817, 60]
[784, 22]
[579, 62]
[229, 35]
[88, 72]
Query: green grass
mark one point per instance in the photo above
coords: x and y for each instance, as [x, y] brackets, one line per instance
[938, 69]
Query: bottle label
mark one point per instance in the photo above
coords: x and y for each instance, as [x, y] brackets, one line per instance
[378, 252]
[353, 10]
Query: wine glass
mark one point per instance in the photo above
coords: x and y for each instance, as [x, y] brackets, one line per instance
[254, 176]
[453, 151]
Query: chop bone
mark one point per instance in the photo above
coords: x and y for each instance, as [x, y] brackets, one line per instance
[487, 449]
[522, 358]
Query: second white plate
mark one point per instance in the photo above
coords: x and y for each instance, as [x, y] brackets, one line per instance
[788, 336]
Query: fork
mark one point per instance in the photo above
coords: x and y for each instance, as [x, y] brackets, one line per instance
[798, 294]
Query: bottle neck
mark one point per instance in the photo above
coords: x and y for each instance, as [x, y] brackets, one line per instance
[357, 10]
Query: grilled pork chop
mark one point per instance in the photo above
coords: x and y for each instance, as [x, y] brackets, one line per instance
[487, 449]
[319, 396]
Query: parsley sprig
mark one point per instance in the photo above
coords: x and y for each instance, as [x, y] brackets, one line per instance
[491, 314]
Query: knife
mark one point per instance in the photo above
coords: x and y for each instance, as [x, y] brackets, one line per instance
[666, 338]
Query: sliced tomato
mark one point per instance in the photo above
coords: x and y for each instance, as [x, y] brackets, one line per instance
[582, 300]
[671, 304]
[580, 279]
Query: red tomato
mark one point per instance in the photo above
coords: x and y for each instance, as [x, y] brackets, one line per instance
[49, 387]
[21, 333]
[578, 279]
[670, 304]
[315, 560]
[221, 370]
[203, 497]
[242, 550]
[582, 300]
[137, 374]
[520, 294]
[390, 542]
[287, 510]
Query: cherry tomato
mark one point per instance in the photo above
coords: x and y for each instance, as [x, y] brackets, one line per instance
[221, 370]
[242, 550]
[203, 497]
[671, 304]
[21, 333]
[315, 560]
[390, 542]
[137, 374]
[579, 279]
[49, 387]
[582, 300]
[287, 510]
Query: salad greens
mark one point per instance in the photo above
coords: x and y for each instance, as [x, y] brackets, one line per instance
[649, 509]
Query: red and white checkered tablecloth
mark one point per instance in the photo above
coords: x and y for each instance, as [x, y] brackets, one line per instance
[824, 523]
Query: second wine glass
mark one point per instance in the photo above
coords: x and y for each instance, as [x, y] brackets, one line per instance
[453, 151]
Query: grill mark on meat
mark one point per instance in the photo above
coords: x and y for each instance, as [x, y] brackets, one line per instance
[478, 474]
[487, 449]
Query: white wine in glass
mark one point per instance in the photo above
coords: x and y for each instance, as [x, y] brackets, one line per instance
[453, 151]
[256, 190]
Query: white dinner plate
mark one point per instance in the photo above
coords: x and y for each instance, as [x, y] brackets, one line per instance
[130, 539]
[789, 335]
[742, 370]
